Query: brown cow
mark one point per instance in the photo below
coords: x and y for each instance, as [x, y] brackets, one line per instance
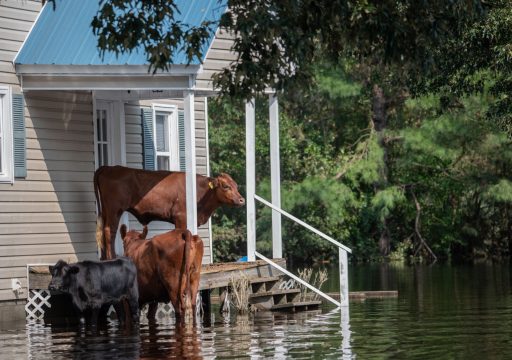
[154, 195]
[168, 268]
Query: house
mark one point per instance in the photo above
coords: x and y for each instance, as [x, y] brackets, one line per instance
[64, 111]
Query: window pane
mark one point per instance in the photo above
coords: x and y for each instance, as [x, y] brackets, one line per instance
[100, 155]
[104, 124]
[162, 162]
[105, 154]
[98, 127]
[162, 133]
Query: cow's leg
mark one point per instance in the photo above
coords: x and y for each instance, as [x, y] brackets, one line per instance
[152, 308]
[180, 222]
[121, 316]
[176, 301]
[94, 316]
[133, 303]
[134, 310]
[110, 231]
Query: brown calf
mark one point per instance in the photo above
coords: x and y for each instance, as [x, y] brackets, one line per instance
[154, 195]
[168, 268]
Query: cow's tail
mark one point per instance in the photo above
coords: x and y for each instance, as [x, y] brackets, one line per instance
[186, 273]
[99, 233]
[99, 222]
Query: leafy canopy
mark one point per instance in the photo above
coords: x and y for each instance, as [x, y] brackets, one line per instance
[278, 41]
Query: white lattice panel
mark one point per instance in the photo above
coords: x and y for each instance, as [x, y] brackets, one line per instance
[37, 301]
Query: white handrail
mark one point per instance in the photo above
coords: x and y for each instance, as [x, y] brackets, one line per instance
[296, 278]
[307, 226]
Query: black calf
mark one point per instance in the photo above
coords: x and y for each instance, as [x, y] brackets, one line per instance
[92, 284]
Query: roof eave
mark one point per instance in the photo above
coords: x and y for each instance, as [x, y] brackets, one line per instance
[104, 70]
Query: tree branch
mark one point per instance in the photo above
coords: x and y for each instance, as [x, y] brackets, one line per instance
[417, 224]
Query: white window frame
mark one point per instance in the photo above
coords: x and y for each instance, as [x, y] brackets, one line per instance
[102, 106]
[6, 136]
[173, 135]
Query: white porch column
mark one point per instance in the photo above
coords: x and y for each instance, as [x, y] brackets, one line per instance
[250, 168]
[275, 176]
[190, 161]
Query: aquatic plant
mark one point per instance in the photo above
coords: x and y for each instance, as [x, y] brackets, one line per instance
[317, 281]
[240, 288]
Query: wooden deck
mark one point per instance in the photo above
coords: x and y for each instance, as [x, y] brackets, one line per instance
[218, 275]
[212, 275]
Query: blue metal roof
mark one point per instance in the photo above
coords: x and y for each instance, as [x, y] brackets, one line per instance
[63, 36]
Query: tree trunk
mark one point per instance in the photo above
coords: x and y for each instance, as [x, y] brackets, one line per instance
[380, 119]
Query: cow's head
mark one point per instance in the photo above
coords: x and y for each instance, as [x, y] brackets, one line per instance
[132, 235]
[62, 275]
[226, 190]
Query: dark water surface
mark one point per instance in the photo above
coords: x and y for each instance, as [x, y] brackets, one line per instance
[442, 312]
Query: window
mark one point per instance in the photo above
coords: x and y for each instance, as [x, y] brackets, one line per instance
[6, 151]
[102, 134]
[166, 137]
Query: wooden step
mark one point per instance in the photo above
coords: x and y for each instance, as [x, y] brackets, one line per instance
[296, 306]
[264, 300]
[264, 284]
[274, 293]
[264, 279]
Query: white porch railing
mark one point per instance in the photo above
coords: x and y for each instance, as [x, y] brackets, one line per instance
[343, 258]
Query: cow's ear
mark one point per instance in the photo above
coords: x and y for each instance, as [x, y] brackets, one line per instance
[213, 183]
[144, 232]
[61, 263]
[74, 269]
[122, 230]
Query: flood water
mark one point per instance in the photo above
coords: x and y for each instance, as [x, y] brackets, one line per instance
[442, 312]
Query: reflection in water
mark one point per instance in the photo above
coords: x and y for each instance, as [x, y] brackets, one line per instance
[168, 341]
[262, 335]
[441, 312]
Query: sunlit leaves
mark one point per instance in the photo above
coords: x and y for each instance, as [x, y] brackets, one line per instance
[500, 192]
[385, 201]
[278, 42]
[150, 26]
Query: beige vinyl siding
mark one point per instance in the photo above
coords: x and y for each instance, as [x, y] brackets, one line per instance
[16, 18]
[134, 150]
[219, 56]
[133, 129]
[50, 214]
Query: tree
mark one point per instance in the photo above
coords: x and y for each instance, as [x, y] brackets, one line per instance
[391, 51]
[277, 42]
[391, 45]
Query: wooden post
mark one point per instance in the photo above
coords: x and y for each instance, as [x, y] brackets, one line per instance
[343, 278]
[190, 161]
[275, 176]
[250, 171]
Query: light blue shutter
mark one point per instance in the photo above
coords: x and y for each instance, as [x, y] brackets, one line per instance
[181, 137]
[18, 131]
[147, 139]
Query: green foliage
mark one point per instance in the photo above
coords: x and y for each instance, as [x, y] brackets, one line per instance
[229, 243]
[278, 42]
[500, 192]
[395, 120]
[385, 201]
[451, 160]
